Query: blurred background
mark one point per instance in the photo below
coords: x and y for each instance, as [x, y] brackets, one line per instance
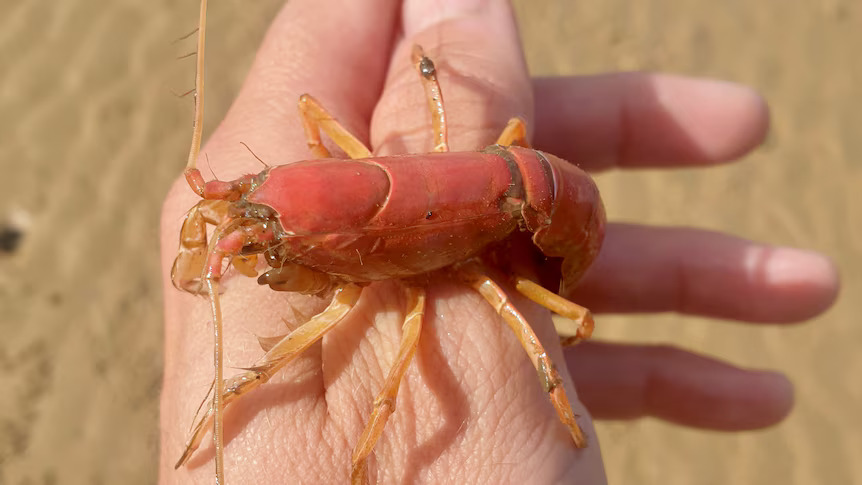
[91, 137]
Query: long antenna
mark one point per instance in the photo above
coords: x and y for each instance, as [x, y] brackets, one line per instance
[197, 130]
[212, 286]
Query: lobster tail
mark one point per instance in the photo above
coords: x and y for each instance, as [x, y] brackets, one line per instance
[568, 223]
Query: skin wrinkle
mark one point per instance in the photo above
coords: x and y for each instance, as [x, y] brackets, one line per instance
[486, 408]
[495, 456]
[495, 91]
[438, 12]
[534, 441]
[651, 381]
[759, 271]
[441, 384]
[408, 422]
[623, 135]
[341, 438]
[679, 294]
[489, 376]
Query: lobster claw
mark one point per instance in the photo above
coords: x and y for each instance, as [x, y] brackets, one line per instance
[186, 271]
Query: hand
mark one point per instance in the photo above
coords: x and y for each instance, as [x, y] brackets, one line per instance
[470, 407]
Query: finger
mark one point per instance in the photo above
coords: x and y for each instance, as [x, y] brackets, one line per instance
[481, 69]
[649, 269]
[646, 120]
[336, 51]
[632, 381]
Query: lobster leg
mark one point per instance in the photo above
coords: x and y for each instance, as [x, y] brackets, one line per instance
[474, 274]
[283, 352]
[577, 323]
[514, 134]
[428, 73]
[384, 403]
[315, 119]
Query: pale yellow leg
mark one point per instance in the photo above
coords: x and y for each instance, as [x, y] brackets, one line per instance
[577, 323]
[315, 119]
[514, 134]
[428, 73]
[384, 404]
[475, 275]
[290, 347]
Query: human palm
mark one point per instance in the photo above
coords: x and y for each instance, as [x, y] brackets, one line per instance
[470, 407]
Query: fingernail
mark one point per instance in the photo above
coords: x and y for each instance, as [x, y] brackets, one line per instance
[809, 280]
[790, 265]
[725, 120]
[770, 398]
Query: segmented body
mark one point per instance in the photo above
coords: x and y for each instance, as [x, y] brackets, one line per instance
[393, 217]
